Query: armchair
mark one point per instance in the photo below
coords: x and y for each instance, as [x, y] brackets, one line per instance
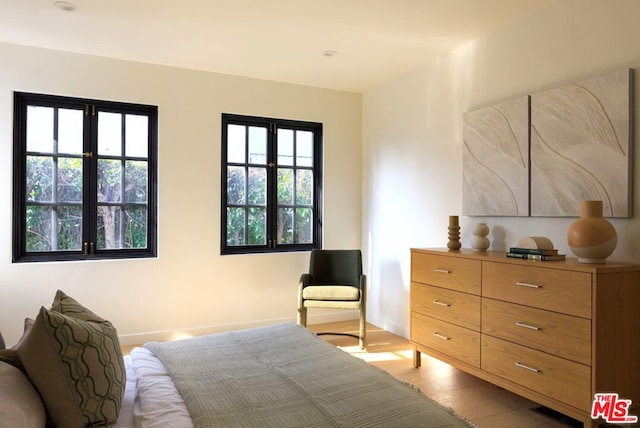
[334, 281]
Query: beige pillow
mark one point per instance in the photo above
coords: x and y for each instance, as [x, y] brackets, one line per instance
[20, 404]
[74, 360]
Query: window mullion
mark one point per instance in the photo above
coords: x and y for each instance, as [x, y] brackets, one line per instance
[272, 186]
[294, 222]
[123, 190]
[245, 201]
[90, 176]
[54, 185]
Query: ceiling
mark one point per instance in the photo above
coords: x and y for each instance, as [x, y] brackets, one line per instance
[282, 40]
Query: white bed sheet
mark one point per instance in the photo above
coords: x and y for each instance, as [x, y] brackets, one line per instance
[125, 418]
[151, 399]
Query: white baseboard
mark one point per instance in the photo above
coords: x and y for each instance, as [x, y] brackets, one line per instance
[166, 335]
[390, 326]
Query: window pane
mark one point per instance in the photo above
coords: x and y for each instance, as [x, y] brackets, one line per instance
[269, 178]
[304, 187]
[285, 147]
[69, 228]
[235, 226]
[236, 185]
[70, 124]
[236, 138]
[39, 178]
[109, 180]
[304, 148]
[285, 226]
[257, 232]
[135, 178]
[109, 134]
[257, 145]
[257, 186]
[136, 135]
[135, 227]
[304, 222]
[39, 129]
[285, 186]
[38, 228]
[67, 201]
[109, 232]
[69, 180]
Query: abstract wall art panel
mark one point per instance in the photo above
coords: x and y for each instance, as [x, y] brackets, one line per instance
[496, 160]
[581, 146]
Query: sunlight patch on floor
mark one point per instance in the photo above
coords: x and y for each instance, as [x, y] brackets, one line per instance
[375, 357]
[178, 335]
[370, 357]
[408, 354]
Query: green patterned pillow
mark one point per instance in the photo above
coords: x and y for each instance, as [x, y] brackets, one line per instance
[73, 358]
[69, 306]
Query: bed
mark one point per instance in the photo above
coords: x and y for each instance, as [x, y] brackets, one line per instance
[275, 376]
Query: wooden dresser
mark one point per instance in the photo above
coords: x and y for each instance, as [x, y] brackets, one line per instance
[554, 332]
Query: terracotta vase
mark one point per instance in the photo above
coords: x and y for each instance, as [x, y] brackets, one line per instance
[479, 241]
[591, 237]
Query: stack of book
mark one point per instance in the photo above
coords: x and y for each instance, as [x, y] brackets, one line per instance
[535, 254]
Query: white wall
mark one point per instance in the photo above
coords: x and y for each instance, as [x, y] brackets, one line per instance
[189, 286]
[412, 131]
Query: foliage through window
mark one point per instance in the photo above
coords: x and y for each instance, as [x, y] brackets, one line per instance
[271, 184]
[84, 179]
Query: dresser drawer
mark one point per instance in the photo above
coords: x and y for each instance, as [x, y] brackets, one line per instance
[449, 272]
[565, 336]
[560, 379]
[458, 342]
[447, 305]
[552, 289]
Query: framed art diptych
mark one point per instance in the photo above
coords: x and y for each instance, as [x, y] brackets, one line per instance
[543, 154]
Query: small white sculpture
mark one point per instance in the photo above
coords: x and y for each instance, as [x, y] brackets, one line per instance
[480, 242]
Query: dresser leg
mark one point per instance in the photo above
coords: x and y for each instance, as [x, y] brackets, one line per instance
[416, 357]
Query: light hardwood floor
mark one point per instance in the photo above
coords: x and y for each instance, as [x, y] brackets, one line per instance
[481, 402]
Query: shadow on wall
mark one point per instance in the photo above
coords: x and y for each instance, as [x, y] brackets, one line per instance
[391, 299]
[498, 238]
[629, 241]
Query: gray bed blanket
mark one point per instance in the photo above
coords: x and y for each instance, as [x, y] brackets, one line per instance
[284, 376]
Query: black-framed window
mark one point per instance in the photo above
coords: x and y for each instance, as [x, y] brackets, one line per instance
[271, 185]
[85, 180]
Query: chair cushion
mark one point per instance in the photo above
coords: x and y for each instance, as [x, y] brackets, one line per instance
[20, 404]
[74, 360]
[332, 304]
[331, 292]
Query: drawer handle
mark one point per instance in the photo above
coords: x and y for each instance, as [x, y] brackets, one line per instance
[530, 327]
[526, 367]
[441, 336]
[526, 284]
[441, 303]
[442, 270]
